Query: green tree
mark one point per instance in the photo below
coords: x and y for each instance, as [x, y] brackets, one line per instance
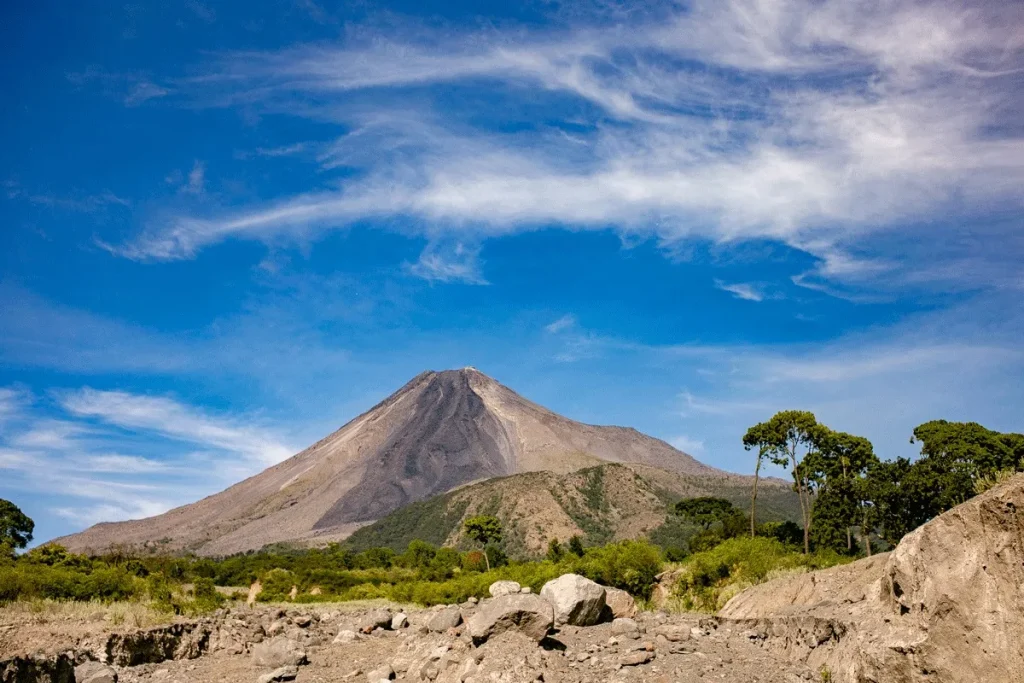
[839, 467]
[576, 546]
[788, 439]
[484, 529]
[757, 437]
[555, 551]
[706, 510]
[419, 554]
[15, 526]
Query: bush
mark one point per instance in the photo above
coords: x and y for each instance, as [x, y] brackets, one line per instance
[629, 565]
[713, 576]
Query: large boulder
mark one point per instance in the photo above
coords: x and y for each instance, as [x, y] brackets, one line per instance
[576, 599]
[499, 588]
[620, 603]
[444, 619]
[94, 672]
[277, 653]
[374, 619]
[529, 615]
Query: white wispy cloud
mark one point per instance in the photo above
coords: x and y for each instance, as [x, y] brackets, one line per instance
[449, 262]
[740, 290]
[827, 126]
[169, 418]
[112, 455]
[196, 182]
[566, 322]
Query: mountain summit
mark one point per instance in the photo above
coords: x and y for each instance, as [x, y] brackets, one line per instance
[440, 431]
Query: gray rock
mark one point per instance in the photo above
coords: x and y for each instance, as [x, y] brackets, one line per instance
[624, 626]
[636, 658]
[384, 673]
[94, 672]
[345, 636]
[576, 599]
[499, 588]
[378, 618]
[447, 618]
[527, 614]
[398, 621]
[285, 673]
[278, 652]
[620, 603]
[674, 633]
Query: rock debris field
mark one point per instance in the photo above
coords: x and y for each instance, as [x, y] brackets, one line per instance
[574, 631]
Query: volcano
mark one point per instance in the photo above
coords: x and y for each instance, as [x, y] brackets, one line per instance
[441, 431]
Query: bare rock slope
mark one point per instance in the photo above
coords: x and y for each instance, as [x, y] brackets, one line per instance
[946, 606]
[440, 431]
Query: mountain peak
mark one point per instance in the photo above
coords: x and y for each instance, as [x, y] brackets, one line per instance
[442, 430]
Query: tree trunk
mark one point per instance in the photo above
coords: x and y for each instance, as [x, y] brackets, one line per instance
[866, 533]
[805, 513]
[753, 497]
[487, 560]
[849, 540]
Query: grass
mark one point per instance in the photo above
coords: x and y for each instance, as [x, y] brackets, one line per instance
[135, 614]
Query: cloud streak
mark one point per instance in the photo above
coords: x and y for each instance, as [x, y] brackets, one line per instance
[825, 126]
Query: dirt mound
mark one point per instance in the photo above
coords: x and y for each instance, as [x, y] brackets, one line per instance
[947, 605]
[440, 431]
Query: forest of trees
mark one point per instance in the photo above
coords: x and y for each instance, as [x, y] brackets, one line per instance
[847, 493]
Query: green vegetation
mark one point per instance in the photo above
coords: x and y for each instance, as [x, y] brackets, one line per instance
[15, 528]
[430, 520]
[709, 578]
[843, 485]
[485, 530]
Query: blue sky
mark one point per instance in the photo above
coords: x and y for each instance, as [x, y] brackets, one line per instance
[228, 228]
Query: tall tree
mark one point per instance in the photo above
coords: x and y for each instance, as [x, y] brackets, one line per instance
[788, 439]
[756, 438]
[484, 529]
[15, 526]
[839, 465]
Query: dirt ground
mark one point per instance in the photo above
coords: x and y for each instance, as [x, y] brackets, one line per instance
[224, 648]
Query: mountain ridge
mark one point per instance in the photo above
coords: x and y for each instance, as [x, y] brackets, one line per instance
[440, 431]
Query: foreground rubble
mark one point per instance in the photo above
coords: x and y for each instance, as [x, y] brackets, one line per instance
[508, 639]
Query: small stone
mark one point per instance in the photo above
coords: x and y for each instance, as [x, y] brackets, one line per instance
[345, 636]
[636, 658]
[384, 673]
[302, 620]
[399, 621]
[472, 599]
[285, 673]
[526, 590]
[624, 625]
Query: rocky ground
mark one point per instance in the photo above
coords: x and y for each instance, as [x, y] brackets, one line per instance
[321, 644]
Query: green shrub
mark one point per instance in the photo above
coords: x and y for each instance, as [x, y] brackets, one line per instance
[712, 576]
[629, 565]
